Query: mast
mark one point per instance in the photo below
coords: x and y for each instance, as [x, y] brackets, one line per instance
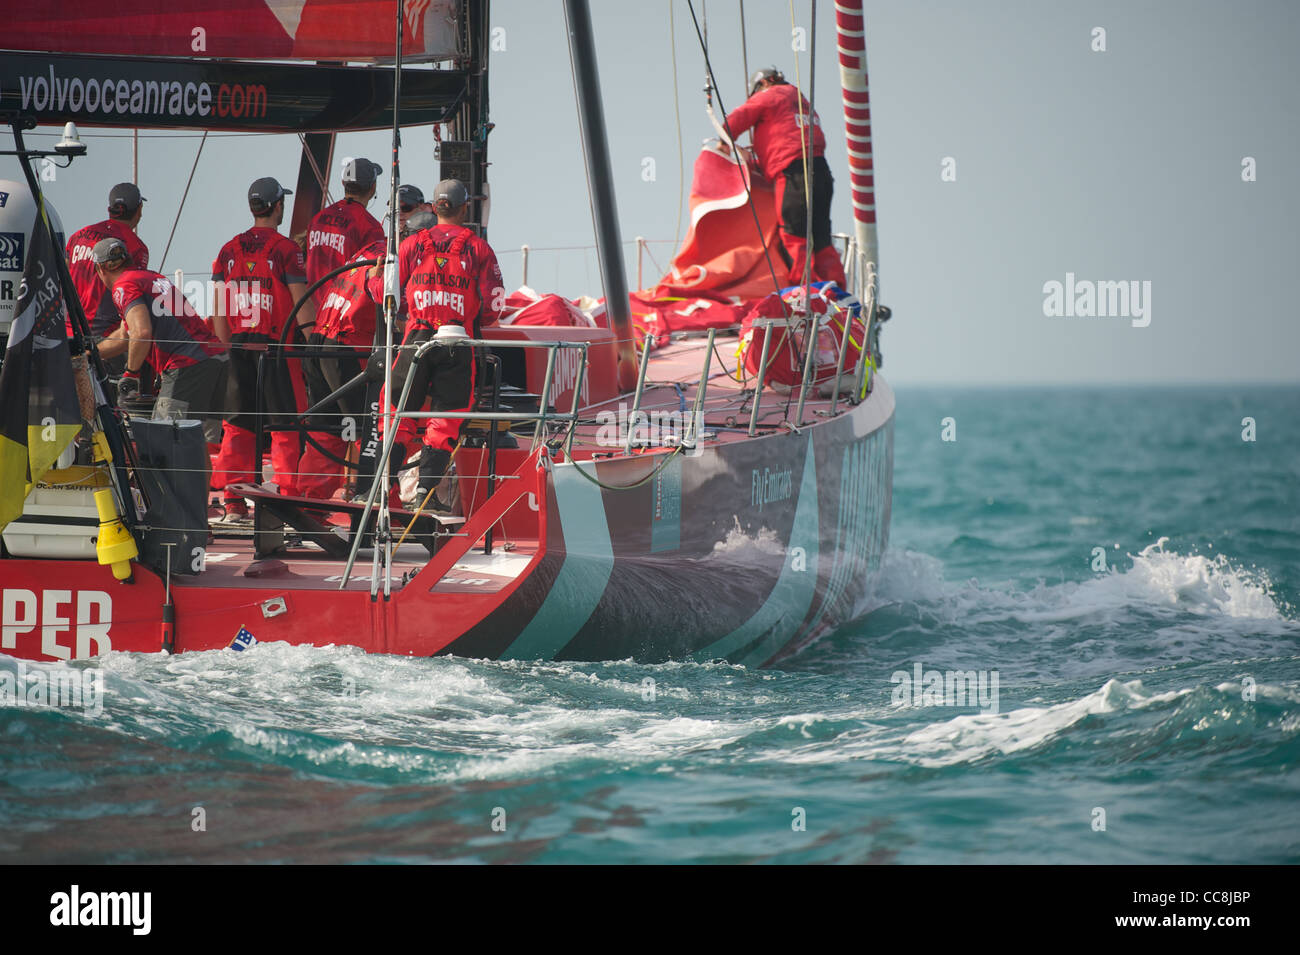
[604, 209]
[383, 553]
[471, 123]
[850, 29]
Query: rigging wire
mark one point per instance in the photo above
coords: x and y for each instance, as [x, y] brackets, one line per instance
[315, 168]
[392, 289]
[812, 123]
[749, 196]
[805, 146]
[179, 209]
[655, 261]
[744, 44]
[677, 115]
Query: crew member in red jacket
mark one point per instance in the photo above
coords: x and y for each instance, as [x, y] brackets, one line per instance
[346, 319]
[158, 326]
[259, 276]
[125, 207]
[410, 201]
[778, 115]
[338, 231]
[449, 276]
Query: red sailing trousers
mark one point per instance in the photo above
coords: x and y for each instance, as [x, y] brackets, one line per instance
[238, 462]
[792, 210]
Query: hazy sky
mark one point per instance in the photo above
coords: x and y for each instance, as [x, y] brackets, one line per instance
[1123, 165]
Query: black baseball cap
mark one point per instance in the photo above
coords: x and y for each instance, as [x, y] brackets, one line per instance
[409, 196]
[362, 172]
[266, 192]
[124, 199]
[108, 251]
[450, 194]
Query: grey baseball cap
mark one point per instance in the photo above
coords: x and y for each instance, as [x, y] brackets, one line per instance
[766, 73]
[266, 191]
[450, 194]
[124, 199]
[362, 172]
[108, 251]
[409, 196]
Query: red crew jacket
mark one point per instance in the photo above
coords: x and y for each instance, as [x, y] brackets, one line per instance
[450, 275]
[96, 301]
[335, 235]
[778, 121]
[258, 266]
[348, 314]
[180, 337]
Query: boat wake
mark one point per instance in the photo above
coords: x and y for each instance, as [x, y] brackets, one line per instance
[1118, 722]
[342, 714]
[393, 759]
[1130, 674]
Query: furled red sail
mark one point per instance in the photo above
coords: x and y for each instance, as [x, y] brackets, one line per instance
[723, 253]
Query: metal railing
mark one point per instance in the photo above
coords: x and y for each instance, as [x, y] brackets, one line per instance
[868, 295]
[860, 275]
[543, 417]
[642, 251]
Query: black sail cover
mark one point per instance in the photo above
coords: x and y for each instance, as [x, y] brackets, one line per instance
[39, 414]
[173, 458]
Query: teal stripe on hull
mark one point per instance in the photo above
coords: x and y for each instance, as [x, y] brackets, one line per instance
[786, 606]
[588, 561]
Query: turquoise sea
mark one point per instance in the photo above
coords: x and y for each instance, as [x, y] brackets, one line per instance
[1147, 709]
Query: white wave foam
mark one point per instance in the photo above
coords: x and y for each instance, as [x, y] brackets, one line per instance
[738, 543]
[908, 576]
[971, 737]
[967, 738]
[1201, 583]
[1158, 578]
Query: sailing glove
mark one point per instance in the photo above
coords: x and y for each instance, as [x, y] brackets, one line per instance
[128, 389]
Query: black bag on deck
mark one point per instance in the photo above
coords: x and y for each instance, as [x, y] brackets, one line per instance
[173, 473]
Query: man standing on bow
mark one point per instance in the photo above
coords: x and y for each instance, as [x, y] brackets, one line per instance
[780, 116]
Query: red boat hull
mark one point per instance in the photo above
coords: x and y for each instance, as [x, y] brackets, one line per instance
[744, 551]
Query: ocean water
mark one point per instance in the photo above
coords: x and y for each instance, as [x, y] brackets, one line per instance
[1146, 709]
